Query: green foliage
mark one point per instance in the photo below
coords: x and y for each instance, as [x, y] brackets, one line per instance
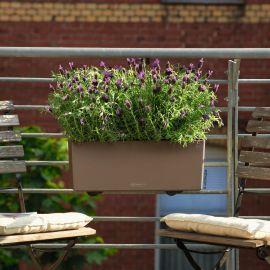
[134, 103]
[44, 177]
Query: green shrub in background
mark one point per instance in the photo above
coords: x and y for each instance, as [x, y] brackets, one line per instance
[44, 177]
[138, 102]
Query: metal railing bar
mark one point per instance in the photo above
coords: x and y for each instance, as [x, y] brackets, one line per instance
[258, 135]
[45, 134]
[124, 246]
[41, 134]
[69, 191]
[258, 190]
[51, 80]
[37, 107]
[66, 162]
[221, 53]
[256, 217]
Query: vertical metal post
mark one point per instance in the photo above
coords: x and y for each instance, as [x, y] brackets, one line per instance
[235, 134]
[230, 157]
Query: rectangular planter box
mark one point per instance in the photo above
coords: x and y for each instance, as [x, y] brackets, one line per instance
[136, 166]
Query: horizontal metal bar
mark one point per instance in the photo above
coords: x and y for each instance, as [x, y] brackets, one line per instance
[256, 217]
[258, 190]
[246, 108]
[51, 80]
[41, 134]
[221, 53]
[45, 134]
[125, 246]
[258, 135]
[65, 162]
[254, 81]
[69, 191]
[37, 107]
[46, 162]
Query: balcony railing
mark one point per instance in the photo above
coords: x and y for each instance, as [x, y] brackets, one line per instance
[232, 109]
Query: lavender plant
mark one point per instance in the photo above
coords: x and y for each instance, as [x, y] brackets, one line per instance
[137, 102]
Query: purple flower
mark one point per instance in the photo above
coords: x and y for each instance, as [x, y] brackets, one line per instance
[82, 121]
[61, 69]
[201, 88]
[102, 64]
[65, 98]
[51, 87]
[212, 103]
[168, 71]
[107, 74]
[195, 78]
[90, 90]
[166, 81]
[155, 64]
[190, 67]
[70, 86]
[95, 82]
[209, 73]
[118, 83]
[205, 117]
[156, 89]
[96, 91]
[106, 88]
[198, 74]
[127, 103]
[129, 61]
[216, 87]
[186, 79]
[141, 76]
[105, 98]
[155, 78]
[182, 114]
[200, 64]
[85, 66]
[71, 65]
[139, 67]
[119, 111]
[67, 73]
[80, 89]
[188, 71]
[174, 79]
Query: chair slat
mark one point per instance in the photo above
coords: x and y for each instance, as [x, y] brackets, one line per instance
[9, 120]
[257, 142]
[10, 166]
[253, 172]
[11, 151]
[261, 112]
[256, 158]
[20, 239]
[6, 105]
[212, 239]
[258, 126]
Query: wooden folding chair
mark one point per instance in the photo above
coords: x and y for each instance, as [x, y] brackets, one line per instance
[254, 163]
[10, 163]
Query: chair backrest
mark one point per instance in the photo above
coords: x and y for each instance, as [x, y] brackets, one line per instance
[254, 162]
[10, 151]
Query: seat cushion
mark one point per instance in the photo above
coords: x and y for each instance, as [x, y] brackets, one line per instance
[221, 226]
[23, 223]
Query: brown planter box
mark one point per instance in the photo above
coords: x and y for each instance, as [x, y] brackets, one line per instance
[136, 166]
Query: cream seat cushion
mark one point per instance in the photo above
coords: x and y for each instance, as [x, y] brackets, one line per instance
[221, 226]
[24, 223]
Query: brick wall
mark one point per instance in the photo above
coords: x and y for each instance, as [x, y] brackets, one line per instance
[129, 23]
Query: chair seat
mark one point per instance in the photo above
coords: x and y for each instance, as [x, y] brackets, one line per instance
[212, 239]
[21, 239]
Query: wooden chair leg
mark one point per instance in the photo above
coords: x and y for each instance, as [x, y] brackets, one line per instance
[36, 258]
[193, 263]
